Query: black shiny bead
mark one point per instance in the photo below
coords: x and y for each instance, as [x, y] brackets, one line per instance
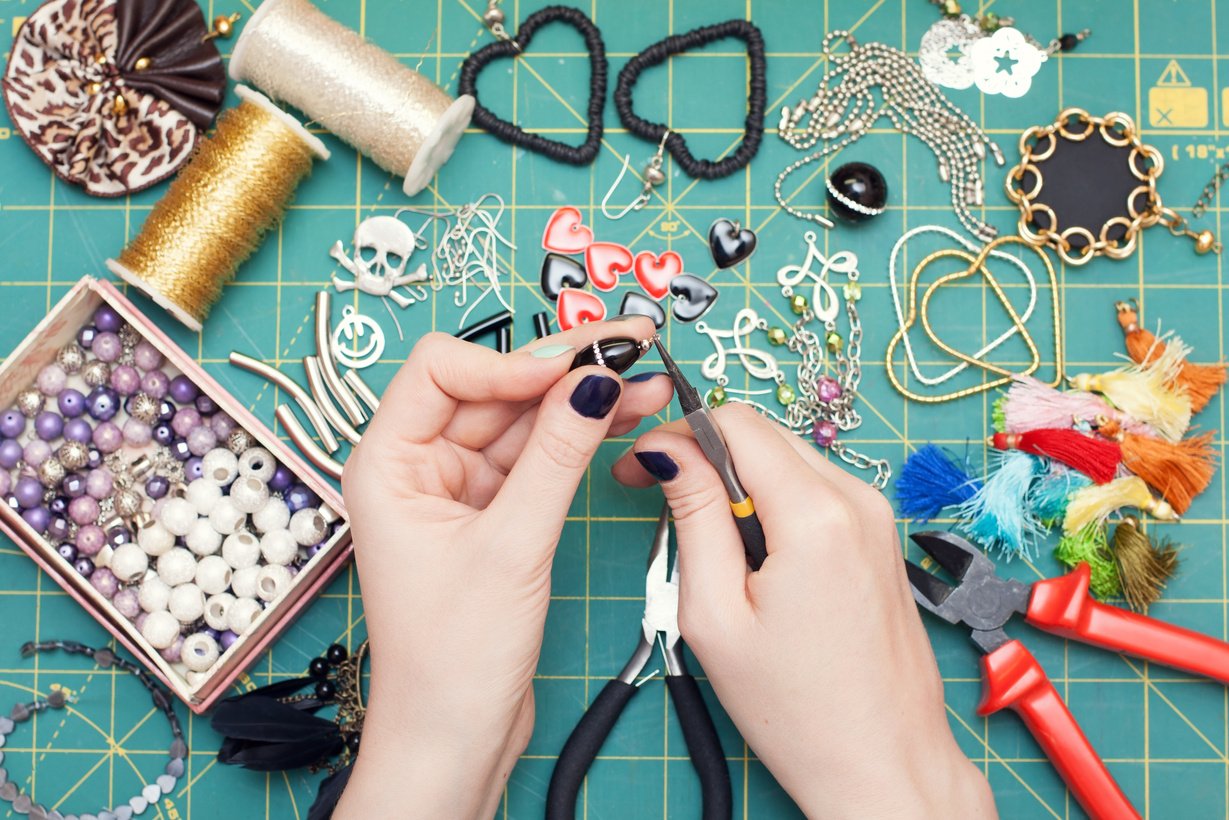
[693, 297]
[352, 742]
[326, 690]
[730, 243]
[559, 272]
[336, 654]
[616, 354]
[639, 304]
[318, 668]
[857, 191]
[1068, 42]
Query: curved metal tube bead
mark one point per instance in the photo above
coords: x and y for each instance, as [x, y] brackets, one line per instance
[362, 389]
[320, 392]
[297, 393]
[328, 365]
[303, 440]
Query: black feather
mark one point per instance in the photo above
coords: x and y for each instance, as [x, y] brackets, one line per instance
[261, 718]
[272, 757]
[329, 794]
[281, 689]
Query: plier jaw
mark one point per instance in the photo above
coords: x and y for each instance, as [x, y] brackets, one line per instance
[660, 624]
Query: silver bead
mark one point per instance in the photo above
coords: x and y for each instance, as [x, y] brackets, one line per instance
[144, 408]
[51, 472]
[493, 16]
[96, 373]
[71, 357]
[127, 503]
[73, 455]
[654, 175]
[128, 337]
[239, 440]
[30, 403]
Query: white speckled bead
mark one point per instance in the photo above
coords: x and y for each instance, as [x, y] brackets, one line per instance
[177, 515]
[272, 582]
[203, 539]
[160, 629]
[213, 574]
[200, 652]
[249, 494]
[129, 563]
[329, 514]
[258, 463]
[176, 567]
[154, 594]
[243, 582]
[194, 679]
[220, 466]
[241, 614]
[274, 515]
[226, 518]
[203, 495]
[216, 609]
[187, 603]
[155, 539]
[278, 547]
[308, 527]
[241, 550]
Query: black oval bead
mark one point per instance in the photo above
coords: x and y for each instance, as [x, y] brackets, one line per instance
[318, 668]
[1068, 42]
[616, 354]
[326, 690]
[336, 654]
[859, 184]
[352, 742]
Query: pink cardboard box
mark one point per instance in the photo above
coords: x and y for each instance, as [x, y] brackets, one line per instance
[18, 372]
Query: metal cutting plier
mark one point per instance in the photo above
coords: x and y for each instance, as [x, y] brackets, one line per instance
[1012, 677]
[659, 626]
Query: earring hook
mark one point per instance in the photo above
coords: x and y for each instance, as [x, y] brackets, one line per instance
[652, 176]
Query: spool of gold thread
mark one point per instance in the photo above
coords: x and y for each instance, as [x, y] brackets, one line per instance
[215, 213]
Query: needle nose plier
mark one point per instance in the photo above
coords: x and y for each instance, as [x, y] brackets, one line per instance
[1011, 675]
[659, 626]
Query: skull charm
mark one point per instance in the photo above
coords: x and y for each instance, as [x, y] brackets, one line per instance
[382, 249]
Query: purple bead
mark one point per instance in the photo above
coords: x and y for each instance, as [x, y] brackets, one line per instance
[222, 425]
[10, 453]
[73, 485]
[84, 566]
[300, 497]
[58, 505]
[193, 469]
[119, 535]
[108, 438]
[213, 633]
[157, 487]
[166, 410]
[95, 459]
[174, 652]
[106, 318]
[127, 603]
[282, 478]
[314, 549]
[155, 383]
[48, 425]
[205, 405]
[51, 380]
[137, 433]
[228, 640]
[86, 336]
[99, 483]
[71, 403]
[84, 510]
[12, 423]
[103, 403]
[107, 347]
[179, 449]
[183, 390]
[125, 379]
[29, 492]
[6, 483]
[78, 430]
[90, 540]
[824, 433]
[146, 356]
[201, 440]
[164, 435]
[36, 452]
[104, 580]
[186, 420]
[67, 551]
[58, 529]
[828, 389]
[37, 517]
[10, 501]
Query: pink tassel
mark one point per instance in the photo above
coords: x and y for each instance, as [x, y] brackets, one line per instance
[1033, 405]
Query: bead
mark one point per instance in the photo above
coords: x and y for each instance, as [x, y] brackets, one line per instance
[205, 405]
[201, 440]
[90, 540]
[220, 466]
[203, 539]
[145, 355]
[153, 594]
[308, 527]
[182, 390]
[222, 424]
[318, 668]
[272, 582]
[73, 455]
[157, 487]
[228, 639]
[107, 347]
[30, 402]
[951, 8]
[824, 433]
[1068, 42]
[70, 402]
[179, 450]
[279, 547]
[160, 629]
[300, 496]
[216, 609]
[119, 535]
[493, 16]
[786, 394]
[163, 434]
[1204, 241]
[857, 191]
[852, 291]
[6, 483]
[99, 483]
[243, 582]
[203, 495]
[172, 655]
[39, 518]
[989, 21]
[274, 515]
[239, 441]
[828, 389]
[193, 469]
[187, 603]
[129, 563]
[51, 472]
[126, 603]
[213, 575]
[249, 494]
[326, 690]
[107, 319]
[654, 175]
[125, 379]
[51, 380]
[108, 438]
[156, 384]
[776, 336]
[96, 374]
[68, 552]
[241, 550]
[798, 304]
[48, 425]
[178, 515]
[79, 429]
[200, 652]
[185, 421]
[84, 566]
[258, 463]
[73, 485]
[281, 480]
[336, 654]
[10, 453]
[70, 357]
[717, 396]
[104, 581]
[176, 566]
[12, 423]
[241, 614]
[127, 503]
[834, 342]
[225, 518]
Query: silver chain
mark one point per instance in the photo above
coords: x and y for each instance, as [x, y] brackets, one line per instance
[1209, 191]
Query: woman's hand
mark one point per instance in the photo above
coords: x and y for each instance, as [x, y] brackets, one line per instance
[820, 658]
[457, 496]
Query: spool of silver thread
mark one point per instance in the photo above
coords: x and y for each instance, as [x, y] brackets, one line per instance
[386, 110]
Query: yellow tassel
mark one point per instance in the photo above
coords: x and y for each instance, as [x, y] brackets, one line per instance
[1146, 392]
[1095, 503]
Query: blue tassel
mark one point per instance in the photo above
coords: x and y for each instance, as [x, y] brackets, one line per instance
[998, 516]
[930, 480]
[1050, 494]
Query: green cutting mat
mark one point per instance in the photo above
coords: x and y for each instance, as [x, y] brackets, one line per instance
[1164, 736]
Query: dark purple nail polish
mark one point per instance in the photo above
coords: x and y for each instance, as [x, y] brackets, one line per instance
[644, 377]
[657, 464]
[594, 397]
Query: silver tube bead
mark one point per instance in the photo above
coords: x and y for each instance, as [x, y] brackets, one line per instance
[297, 393]
[320, 392]
[328, 366]
[362, 389]
[303, 440]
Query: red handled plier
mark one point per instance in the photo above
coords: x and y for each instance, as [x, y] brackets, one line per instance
[1012, 677]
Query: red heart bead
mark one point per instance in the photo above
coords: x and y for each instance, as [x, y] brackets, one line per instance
[576, 307]
[605, 262]
[564, 232]
[655, 272]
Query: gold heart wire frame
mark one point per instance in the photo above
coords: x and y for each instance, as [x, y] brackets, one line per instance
[976, 264]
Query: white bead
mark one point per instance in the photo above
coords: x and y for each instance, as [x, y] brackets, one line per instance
[249, 494]
[154, 594]
[155, 539]
[103, 558]
[176, 567]
[178, 515]
[272, 582]
[160, 629]
[213, 574]
[194, 679]
[220, 466]
[274, 515]
[241, 550]
[129, 563]
[330, 515]
[200, 652]
[216, 609]
[203, 495]
[278, 547]
[241, 614]
[187, 603]
[226, 518]
[203, 539]
[243, 582]
[258, 463]
[308, 527]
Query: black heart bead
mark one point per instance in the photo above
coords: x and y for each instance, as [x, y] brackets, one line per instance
[730, 243]
[559, 272]
[692, 297]
[638, 304]
[617, 354]
[857, 191]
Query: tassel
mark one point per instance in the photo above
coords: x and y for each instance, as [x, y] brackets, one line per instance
[1033, 405]
[1094, 503]
[1202, 382]
[1143, 568]
[1179, 472]
[997, 515]
[1094, 457]
[1050, 495]
[930, 480]
[1145, 393]
[998, 416]
[1089, 546]
[329, 794]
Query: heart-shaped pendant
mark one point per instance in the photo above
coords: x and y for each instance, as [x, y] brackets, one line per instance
[566, 233]
[639, 304]
[730, 243]
[606, 261]
[692, 297]
[576, 307]
[654, 272]
[559, 273]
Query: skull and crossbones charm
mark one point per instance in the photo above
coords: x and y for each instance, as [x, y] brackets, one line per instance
[382, 249]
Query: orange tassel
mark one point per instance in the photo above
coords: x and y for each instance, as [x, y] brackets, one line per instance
[1201, 381]
[1178, 471]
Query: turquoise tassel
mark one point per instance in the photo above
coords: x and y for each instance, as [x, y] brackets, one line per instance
[930, 480]
[1049, 496]
[998, 516]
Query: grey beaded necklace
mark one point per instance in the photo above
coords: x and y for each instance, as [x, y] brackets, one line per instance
[149, 795]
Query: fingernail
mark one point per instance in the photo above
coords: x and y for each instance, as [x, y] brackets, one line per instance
[551, 351]
[657, 464]
[623, 317]
[644, 377]
[595, 396]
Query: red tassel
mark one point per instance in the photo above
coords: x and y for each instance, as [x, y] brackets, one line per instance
[1094, 457]
[1178, 471]
[1201, 381]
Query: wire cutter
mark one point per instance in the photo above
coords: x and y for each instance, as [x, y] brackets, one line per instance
[709, 437]
[1012, 677]
[660, 625]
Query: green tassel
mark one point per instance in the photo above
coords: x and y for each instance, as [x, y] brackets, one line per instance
[1091, 546]
[998, 418]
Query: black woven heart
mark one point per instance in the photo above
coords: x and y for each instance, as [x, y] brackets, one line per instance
[514, 134]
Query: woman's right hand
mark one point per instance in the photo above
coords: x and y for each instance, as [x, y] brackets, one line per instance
[820, 657]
